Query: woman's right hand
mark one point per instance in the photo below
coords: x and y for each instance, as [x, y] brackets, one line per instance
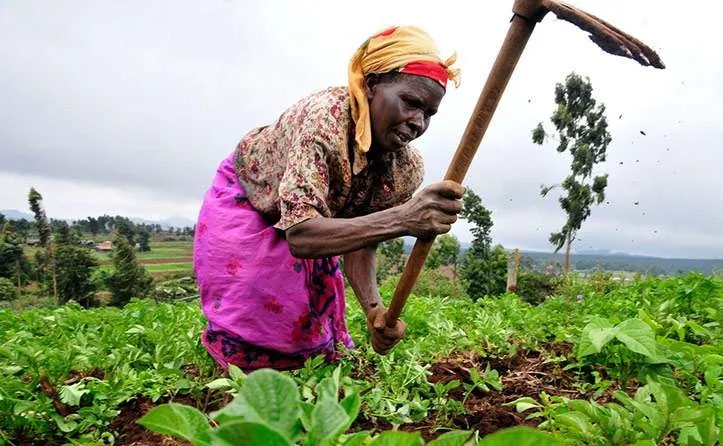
[433, 210]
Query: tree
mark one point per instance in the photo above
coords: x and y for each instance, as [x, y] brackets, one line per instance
[46, 260]
[129, 279]
[445, 251]
[144, 238]
[41, 220]
[582, 129]
[393, 250]
[484, 270]
[75, 267]
[126, 228]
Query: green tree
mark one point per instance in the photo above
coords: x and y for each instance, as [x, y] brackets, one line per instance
[13, 264]
[46, 260]
[75, 267]
[393, 252]
[126, 228]
[144, 240]
[582, 129]
[484, 270]
[445, 251]
[41, 220]
[129, 278]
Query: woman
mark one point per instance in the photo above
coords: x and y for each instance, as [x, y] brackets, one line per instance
[334, 175]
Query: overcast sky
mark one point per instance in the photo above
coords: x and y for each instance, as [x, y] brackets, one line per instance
[127, 107]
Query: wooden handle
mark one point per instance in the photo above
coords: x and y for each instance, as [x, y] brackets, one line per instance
[512, 48]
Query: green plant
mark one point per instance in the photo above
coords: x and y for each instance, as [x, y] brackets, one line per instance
[7, 289]
[268, 409]
[129, 278]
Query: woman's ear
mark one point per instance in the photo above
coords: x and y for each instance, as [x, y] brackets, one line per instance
[370, 83]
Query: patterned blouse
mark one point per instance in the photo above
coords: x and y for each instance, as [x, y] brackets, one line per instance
[303, 166]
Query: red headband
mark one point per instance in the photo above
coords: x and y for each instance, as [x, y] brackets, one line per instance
[432, 70]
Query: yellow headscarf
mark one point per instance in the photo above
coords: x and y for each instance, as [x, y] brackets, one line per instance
[388, 51]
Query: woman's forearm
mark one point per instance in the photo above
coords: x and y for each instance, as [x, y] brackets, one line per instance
[320, 237]
[360, 270]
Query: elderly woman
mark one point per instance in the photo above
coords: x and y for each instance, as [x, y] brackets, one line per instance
[334, 175]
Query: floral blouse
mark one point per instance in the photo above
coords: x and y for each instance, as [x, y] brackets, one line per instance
[307, 165]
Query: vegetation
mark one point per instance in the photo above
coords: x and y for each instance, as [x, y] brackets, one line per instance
[582, 129]
[610, 368]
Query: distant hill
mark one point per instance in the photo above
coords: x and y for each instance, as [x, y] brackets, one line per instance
[175, 221]
[609, 261]
[14, 214]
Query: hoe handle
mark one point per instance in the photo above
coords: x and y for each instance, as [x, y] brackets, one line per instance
[512, 48]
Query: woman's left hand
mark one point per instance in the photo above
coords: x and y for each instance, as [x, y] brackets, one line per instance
[383, 337]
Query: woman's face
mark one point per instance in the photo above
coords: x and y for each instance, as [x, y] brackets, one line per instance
[400, 108]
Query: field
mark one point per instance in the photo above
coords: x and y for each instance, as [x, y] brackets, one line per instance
[164, 258]
[601, 363]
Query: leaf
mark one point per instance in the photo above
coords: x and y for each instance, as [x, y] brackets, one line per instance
[351, 404]
[328, 421]
[236, 373]
[267, 397]
[523, 404]
[357, 439]
[519, 436]
[71, 395]
[577, 423]
[65, 425]
[220, 383]
[595, 335]
[177, 420]
[453, 438]
[397, 438]
[241, 433]
[638, 337]
[328, 388]
[306, 410]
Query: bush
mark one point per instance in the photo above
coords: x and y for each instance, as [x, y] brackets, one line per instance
[7, 289]
[129, 279]
[183, 288]
[534, 287]
[430, 283]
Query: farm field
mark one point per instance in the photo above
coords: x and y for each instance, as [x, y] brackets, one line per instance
[601, 363]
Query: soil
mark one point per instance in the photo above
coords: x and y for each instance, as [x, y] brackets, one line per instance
[524, 374]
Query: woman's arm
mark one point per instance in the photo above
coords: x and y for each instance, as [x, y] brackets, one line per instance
[429, 213]
[360, 268]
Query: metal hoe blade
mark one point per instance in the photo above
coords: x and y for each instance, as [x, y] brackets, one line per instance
[609, 38]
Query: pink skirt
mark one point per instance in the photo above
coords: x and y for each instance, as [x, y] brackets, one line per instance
[264, 307]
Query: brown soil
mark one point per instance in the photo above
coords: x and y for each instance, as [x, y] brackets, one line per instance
[525, 374]
[131, 433]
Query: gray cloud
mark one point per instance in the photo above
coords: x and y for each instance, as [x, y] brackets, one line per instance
[143, 99]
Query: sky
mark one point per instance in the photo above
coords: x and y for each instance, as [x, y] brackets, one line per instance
[128, 107]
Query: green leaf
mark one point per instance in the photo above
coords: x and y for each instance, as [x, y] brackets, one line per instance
[267, 397]
[65, 425]
[577, 423]
[357, 439]
[328, 388]
[453, 438]
[523, 404]
[236, 373]
[72, 394]
[306, 410]
[177, 420]
[397, 438]
[351, 404]
[220, 383]
[595, 335]
[242, 433]
[519, 436]
[328, 421]
[638, 337]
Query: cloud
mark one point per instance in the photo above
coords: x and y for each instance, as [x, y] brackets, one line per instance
[132, 105]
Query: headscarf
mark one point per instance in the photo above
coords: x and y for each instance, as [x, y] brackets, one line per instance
[407, 49]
